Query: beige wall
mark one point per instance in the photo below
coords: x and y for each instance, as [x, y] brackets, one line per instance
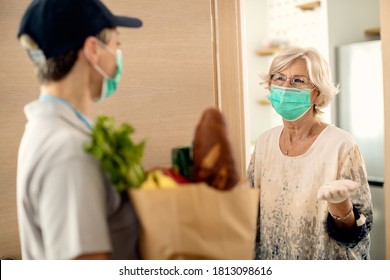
[385, 36]
[170, 77]
[18, 87]
[168, 73]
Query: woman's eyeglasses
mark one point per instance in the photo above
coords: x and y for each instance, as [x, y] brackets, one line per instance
[296, 81]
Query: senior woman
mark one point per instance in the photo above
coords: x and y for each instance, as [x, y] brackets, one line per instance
[315, 202]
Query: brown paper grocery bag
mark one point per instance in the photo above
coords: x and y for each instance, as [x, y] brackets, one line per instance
[195, 221]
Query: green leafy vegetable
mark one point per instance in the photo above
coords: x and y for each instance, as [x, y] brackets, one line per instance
[119, 155]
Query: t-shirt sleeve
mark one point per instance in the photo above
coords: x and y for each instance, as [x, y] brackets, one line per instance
[72, 210]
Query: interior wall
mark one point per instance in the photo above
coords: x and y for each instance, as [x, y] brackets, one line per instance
[18, 87]
[385, 37]
[345, 28]
[168, 75]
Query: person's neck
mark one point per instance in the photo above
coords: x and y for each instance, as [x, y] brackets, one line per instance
[304, 127]
[72, 89]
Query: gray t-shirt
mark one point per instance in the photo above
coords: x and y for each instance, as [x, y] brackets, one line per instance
[66, 206]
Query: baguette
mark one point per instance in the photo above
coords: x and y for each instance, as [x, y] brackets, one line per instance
[212, 154]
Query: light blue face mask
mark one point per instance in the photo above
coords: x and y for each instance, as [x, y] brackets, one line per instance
[290, 103]
[110, 84]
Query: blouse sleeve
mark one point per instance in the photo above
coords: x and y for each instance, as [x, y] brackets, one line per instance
[251, 178]
[351, 166]
[250, 173]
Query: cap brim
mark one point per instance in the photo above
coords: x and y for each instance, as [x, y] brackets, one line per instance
[127, 21]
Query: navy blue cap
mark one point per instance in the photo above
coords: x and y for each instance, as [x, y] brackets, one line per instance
[59, 26]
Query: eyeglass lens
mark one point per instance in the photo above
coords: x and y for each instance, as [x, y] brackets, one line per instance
[295, 80]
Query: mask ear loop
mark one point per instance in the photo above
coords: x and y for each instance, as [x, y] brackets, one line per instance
[97, 67]
[101, 72]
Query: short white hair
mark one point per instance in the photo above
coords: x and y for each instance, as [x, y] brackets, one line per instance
[318, 69]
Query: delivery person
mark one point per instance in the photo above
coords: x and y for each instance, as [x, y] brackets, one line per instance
[67, 208]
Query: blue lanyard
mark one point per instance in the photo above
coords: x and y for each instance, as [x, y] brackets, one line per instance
[80, 115]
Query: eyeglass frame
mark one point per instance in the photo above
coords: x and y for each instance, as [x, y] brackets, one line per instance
[290, 78]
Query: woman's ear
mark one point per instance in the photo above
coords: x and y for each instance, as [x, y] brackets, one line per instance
[315, 96]
[317, 93]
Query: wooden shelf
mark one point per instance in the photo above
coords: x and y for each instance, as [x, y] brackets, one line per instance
[264, 101]
[372, 31]
[268, 51]
[309, 5]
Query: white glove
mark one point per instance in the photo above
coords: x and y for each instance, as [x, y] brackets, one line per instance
[337, 191]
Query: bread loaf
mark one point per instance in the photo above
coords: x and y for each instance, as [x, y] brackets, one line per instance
[212, 153]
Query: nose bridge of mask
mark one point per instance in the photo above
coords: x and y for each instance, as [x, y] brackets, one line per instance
[290, 89]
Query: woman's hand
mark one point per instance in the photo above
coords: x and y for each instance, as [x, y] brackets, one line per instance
[337, 191]
[337, 194]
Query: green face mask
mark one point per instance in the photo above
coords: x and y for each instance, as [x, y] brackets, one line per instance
[110, 84]
[290, 103]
